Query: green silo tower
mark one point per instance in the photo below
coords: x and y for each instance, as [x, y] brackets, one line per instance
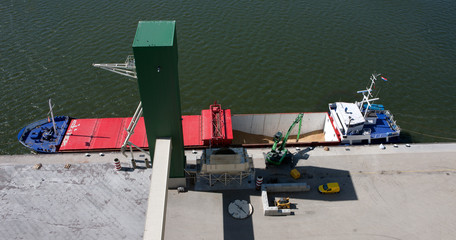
[155, 51]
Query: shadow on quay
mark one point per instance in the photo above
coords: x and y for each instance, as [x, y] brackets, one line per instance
[314, 176]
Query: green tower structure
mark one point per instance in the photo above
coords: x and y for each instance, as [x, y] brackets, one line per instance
[155, 51]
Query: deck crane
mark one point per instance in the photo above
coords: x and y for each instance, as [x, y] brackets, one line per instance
[278, 154]
[127, 69]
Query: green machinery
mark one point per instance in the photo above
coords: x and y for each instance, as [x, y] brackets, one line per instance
[278, 154]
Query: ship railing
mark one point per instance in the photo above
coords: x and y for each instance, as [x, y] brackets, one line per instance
[384, 135]
[377, 136]
[388, 113]
[392, 123]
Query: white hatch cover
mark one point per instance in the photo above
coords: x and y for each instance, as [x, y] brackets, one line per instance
[349, 113]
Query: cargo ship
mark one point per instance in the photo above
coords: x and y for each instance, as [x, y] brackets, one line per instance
[345, 123]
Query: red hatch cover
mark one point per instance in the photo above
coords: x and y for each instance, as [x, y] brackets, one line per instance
[191, 127]
[101, 134]
[212, 127]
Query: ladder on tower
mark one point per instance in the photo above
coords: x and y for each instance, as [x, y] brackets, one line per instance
[128, 69]
[130, 131]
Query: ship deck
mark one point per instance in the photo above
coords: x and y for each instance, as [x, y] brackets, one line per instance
[109, 134]
[241, 138]
[382, 128]
[104, 134]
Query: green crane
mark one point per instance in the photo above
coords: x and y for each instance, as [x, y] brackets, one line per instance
[277, 155]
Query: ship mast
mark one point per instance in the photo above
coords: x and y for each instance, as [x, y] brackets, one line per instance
[52, 118]
[367, 94]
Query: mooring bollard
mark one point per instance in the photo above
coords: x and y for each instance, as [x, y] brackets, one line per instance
[133, 163]
[117, 164]
[147, 163]
[259, 181]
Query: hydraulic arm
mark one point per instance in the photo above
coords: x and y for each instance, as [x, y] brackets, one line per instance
[278, 154]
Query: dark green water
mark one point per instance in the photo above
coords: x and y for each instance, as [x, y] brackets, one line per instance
[251, 56]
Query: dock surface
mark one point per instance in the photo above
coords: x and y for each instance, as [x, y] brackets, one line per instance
[395, 193]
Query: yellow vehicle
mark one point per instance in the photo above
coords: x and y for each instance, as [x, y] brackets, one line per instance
[283, 203]
[329, 188]
[295, 173]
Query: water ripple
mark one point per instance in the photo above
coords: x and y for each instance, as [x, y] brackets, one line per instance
[251, 56]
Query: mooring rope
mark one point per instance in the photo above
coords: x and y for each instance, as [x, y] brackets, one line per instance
[429, 135]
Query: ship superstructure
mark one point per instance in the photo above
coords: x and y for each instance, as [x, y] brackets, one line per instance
[364, 121]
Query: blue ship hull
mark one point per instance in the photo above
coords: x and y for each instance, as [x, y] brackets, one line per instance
[40, 136]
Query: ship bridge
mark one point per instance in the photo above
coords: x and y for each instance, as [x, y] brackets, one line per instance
[349, 117]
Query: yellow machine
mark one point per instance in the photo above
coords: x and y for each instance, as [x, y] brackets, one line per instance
[283, 203]
[295, 173]
[329, 188]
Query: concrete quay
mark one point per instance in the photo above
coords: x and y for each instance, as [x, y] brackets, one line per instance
[394, 193]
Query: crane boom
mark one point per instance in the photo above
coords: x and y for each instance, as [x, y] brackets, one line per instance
[277, 155]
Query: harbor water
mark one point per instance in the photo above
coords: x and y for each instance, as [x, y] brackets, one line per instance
[250, 56]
